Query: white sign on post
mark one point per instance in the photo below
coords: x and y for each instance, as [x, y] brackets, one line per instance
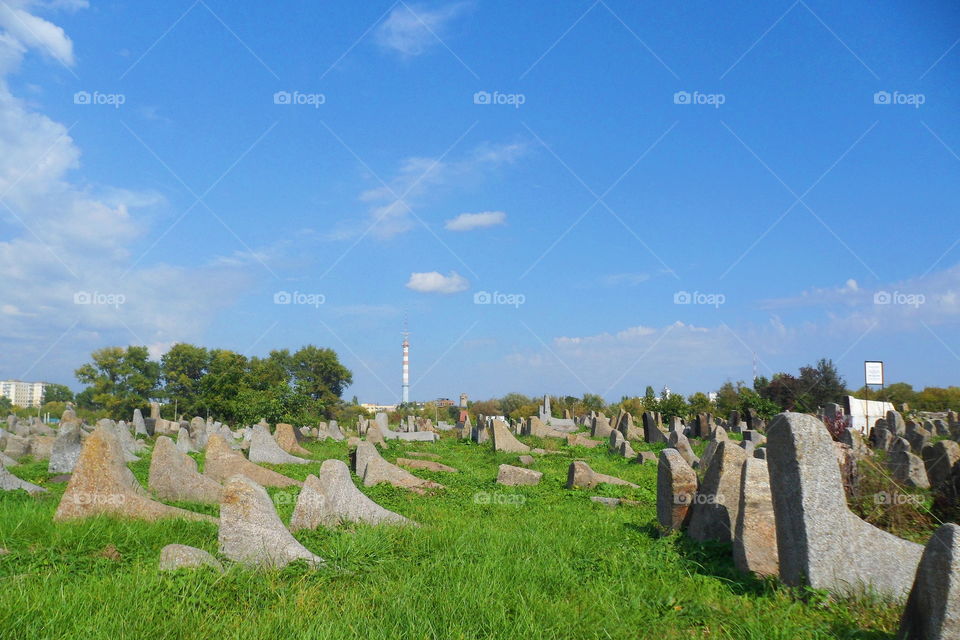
[873, 372]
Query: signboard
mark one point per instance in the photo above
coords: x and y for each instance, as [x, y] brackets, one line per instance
[873, 372]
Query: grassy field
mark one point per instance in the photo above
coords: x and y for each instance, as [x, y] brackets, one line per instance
[489, 562]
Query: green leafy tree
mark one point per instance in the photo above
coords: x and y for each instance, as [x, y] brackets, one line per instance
[700, 403]
[183, 367]
[6, 406]
[57, 393]
[317, 373]
[511, 402]
[120, 380]
[821, 384]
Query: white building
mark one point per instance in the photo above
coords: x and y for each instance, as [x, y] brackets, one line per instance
[23, 394]
[863, 414]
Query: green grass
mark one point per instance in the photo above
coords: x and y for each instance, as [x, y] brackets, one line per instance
[488, 562]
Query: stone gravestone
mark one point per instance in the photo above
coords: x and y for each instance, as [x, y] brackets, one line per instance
[718, 502]
[819, 540]
[933, 608]
[676, 490]
[331, 499]
[755, 537]
[252, 533]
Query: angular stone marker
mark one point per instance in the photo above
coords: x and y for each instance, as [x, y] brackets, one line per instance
[676, 489]
[755, 537]
[332, 499]
[221, 462]
[820, 542]
[505, 441]
[10, 482]
[580, 475]
[933, 608]
[263, 448]
[66, 449]
[513, 476]
[102, 484]
[287, 440]
[174, 476]
[180, 556]
[251, 531]
[718, 502]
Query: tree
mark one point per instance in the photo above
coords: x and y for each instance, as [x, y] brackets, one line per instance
[183, 367]
[5, 405]
[822, 384]
[592, 402]
[700, 403]
[57, 393]
[514, 401]
[785, 391]
[728, 397]
[649, 395]
[673, 405]
[120, 380]
[221, 386]
[318, 373]
[486, 407]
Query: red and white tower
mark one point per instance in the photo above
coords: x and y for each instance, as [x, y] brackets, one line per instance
[405, 394]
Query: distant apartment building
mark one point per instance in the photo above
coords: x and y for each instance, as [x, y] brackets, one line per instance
[376, 408]
[23, 394]
[445, 402]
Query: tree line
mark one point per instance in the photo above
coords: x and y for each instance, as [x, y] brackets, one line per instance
[300, 387]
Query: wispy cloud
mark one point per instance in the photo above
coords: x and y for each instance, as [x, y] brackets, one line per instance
[436, 282]
[412, 29]
[471, 221]
[419, 179]
[624, 279]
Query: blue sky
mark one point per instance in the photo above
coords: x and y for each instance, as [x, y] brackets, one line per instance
[657, 192]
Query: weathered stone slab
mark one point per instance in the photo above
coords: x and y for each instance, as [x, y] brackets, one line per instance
[174, 476]
[755, 537]
[66, 449]
[287, 440]
[616, 439]
[718, 501]
[819, 541]
[17, 446]
[505, 441]
[251, 531]
[263, 448]
[185, 442]
[425, 465]
[527, 460]
[332, 499]
[180, 556]
[221, 462]
[907, 469]
[940, 459]
[510, 475]
[895, 423]
[371, 466]
[676, 489]
[139, 425]
[580, 475]
[102, 484]
[600, 427]
[651, 429]
[933, 608]
[680, 442]
[10, 482]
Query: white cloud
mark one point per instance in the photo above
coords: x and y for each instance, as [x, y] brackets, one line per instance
[69, 243]
[471, 221]
[436, 282]
[421, 178]
[411, 30]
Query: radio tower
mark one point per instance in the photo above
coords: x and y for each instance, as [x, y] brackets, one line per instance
[405, 393]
